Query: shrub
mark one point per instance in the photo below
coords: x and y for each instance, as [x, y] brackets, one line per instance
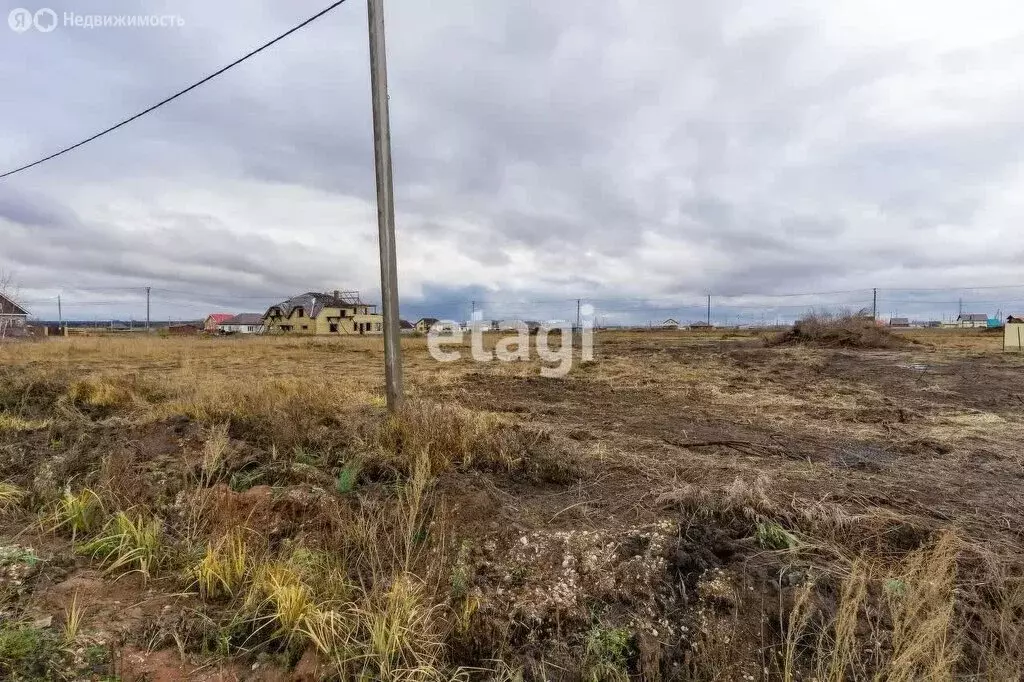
[838, 331]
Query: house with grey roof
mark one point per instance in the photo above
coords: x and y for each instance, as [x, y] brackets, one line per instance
[972, 321]
[12, 318]
[334, 314]
[243, 323]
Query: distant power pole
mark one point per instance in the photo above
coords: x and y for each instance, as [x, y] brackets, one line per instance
[385, 203]
[147, 309]
[60, 314]
[960, 308]
[709, 310]
[874, 304]
[578, 324]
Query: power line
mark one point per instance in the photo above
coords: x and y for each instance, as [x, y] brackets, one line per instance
[990, 286]
[179, 93]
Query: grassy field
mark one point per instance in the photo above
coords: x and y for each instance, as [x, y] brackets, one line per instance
[686, 506]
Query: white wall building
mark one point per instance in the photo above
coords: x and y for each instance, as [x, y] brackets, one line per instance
[244, 323]
[973, 320]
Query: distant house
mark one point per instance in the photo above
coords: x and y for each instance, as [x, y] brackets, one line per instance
[670, 324]
[424, 324]
[243, 323]
[336, 313]
[972, 321]
[699, 325]
[899, 322]
[12, 318]
[513, 325]
[183, 329]
[213, 321]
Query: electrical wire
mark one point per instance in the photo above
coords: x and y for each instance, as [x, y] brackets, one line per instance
[178, 94]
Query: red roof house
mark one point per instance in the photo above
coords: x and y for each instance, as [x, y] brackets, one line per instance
[214, 320]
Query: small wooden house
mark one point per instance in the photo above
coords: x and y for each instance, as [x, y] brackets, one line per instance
[1013, 333]
[12, 318]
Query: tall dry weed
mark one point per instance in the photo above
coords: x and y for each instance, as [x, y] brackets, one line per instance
[448, 436]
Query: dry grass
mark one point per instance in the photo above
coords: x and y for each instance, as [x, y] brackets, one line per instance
[10, 422]
[222, 570]
[348, 546]
[839, 331]
[893, 622]
[128, 543]
[288, 605]
[74, 614]
[215, 450]
[79, 512]
[840, 640]
[398, 625]
[10, 495]
[447, 436]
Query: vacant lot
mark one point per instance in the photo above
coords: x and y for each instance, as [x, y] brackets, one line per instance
[686, 506]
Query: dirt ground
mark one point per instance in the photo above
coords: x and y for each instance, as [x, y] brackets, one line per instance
[663, 512]
[930, 432]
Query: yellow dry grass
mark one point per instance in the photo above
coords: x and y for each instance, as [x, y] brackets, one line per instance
[128, 543]
[10, 422]
[223, 568]
[10, 495]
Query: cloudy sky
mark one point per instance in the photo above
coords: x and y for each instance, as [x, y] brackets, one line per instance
[637, 154]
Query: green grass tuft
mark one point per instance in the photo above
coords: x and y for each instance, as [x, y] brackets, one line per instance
[607, 654]
[348, 477]
[771, 535]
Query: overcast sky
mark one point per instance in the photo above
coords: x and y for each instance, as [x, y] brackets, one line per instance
[639, 153]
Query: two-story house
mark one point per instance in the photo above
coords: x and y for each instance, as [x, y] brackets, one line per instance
[324, 314]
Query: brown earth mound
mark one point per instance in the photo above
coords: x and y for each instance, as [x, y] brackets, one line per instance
[838, 332]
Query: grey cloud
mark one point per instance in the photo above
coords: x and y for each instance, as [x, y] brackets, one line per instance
[578, 132]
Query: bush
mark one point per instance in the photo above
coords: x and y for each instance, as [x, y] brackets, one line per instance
[838, 331]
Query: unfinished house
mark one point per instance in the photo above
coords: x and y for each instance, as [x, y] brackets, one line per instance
[335, 314]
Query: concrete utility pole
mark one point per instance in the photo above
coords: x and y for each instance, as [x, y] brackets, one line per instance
[579, 326]
[709, 310]
[147, 309]
[385, 204]
[60, 314]
[874, 304]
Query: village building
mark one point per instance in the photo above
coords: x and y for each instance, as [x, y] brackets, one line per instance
[972, 321]
[12, 318]
[316, 313]
[214, 320]
[243, 323]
